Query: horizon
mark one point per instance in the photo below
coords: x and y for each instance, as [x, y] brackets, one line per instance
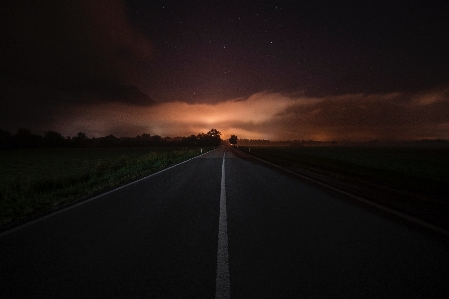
[224, 138]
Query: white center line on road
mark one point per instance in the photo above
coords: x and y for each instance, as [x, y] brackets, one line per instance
[222, 286]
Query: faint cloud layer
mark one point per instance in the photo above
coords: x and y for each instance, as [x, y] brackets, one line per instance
[123, 45]
[71, 43]
[58, 54]
[277, 116]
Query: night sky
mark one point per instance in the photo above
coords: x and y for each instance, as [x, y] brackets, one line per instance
[323, 70]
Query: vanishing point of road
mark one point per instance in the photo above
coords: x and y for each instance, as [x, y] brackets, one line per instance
[223, 225]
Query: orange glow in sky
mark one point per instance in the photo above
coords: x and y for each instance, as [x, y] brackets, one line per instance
[275, 116]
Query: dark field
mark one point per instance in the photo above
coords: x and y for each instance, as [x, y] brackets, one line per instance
[413, 180]
[36, 181]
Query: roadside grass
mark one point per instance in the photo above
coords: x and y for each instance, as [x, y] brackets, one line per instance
[414, 180]
[37, 181]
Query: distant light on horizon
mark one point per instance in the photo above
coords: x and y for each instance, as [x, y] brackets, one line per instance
[274, 116]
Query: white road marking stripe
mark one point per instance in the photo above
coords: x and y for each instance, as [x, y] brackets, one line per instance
[222, 286]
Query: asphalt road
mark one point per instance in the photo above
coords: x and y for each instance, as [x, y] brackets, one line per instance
[285, 238]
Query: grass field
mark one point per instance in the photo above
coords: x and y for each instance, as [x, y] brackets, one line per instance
[414, 180]
[36, 181]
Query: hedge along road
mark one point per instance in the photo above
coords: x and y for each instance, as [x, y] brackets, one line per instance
[160, 238]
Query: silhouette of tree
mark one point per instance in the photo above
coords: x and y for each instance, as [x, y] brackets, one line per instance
[5, 139]
[80, 140]
[54, 139]
[146, 136]
[233, 139]
[214, 133]
[24, 139]
[201, 139]
[213, 137]
[145, 139]
[109, 141]
[81, 136]
[156, 140]
[192, 140]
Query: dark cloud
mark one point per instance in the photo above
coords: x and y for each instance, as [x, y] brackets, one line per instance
[396, 116]
[70, 44]
[44, 107]
[56, 54]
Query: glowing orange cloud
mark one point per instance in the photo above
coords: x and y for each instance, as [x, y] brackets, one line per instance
[275, 116]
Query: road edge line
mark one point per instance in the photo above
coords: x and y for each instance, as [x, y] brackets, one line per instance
[359, 198]
[14, 229]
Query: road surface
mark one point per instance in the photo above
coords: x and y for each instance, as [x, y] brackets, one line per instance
[223, 225]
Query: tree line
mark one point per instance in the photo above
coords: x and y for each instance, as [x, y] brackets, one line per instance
[23, 138]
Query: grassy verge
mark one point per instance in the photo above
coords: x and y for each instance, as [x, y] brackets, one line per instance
[35, 182]
[411, 180]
